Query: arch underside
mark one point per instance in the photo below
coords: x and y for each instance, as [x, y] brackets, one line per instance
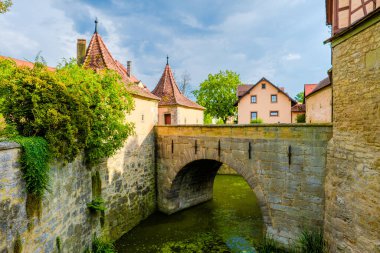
[193, 184]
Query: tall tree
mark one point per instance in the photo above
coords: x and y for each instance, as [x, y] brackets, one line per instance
[218, 94]
[4, 5]
[184, 83]
[299, 97]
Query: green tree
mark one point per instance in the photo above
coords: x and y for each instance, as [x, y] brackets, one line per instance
[5, 5]
[299, 97]
[218, 94]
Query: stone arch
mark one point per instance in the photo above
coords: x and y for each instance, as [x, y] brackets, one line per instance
[192, 183]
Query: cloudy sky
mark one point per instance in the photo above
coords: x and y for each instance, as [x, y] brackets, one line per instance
[281, 40]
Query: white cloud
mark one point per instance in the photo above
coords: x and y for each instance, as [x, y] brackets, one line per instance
[292, 57]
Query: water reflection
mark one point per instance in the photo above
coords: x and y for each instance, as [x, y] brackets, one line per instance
[231, 222]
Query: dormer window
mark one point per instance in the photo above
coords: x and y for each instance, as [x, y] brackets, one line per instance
[263, 86]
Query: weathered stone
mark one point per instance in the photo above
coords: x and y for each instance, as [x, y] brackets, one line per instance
[352, 217]
[285, 192]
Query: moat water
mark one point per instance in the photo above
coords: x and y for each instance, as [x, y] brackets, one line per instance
[231, 222]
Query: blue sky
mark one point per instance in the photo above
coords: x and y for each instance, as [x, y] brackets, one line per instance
[281, 40]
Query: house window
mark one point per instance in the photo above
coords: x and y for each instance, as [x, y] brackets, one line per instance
[273, 113]
[263, 86]
[253, 99]
[273, 99]
[253, 115]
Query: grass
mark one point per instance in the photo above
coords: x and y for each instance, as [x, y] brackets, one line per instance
[102, 245]
[307, 242]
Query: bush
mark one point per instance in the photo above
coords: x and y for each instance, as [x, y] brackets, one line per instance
[256, 121]
[102, 245]
[73, 108]
[96, 204]
[301, 118]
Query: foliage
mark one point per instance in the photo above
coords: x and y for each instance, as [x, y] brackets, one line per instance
[218, 94]
[220, 122]
[97, 204]
[299, 97]
[256, 121]
[34, 164]
[5, 5]
[207, 119]
[312, 242]
[73, 108]
[102, 245]
[301, 118]
[35, 171]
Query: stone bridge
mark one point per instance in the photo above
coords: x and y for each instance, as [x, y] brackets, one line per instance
[283, 164]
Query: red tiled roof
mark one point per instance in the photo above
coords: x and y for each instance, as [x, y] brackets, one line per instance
[251, 86]
[22, 63]
[242, 89]
[309, 88]
[322, 84]
[98, 57]
[169, 93]
[299, 108]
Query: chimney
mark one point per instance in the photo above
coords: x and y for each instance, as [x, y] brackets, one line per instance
[81, 51]
[129, 63]
[282, 88]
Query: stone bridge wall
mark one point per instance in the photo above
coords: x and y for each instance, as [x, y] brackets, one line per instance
[290, 189]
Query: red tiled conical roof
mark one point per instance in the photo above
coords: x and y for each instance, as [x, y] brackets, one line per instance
[169, 92]
[98, 57]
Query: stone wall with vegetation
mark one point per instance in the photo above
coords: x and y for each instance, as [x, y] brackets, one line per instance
[352, 188]
[289, 184]
[127, 186]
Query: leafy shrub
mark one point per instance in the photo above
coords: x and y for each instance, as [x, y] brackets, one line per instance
[102, 245]
[73, 108]
[96, 204]
[256, 121]
[301, 118]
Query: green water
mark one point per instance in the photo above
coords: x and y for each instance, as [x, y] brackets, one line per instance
[231, 222]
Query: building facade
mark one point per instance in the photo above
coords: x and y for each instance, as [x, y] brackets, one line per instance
[352, 193]
[318, 103]
[264, 101]
[174, 108]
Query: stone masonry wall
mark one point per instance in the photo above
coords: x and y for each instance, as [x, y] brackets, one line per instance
[291, 196]
[352, 188]
[128, 188]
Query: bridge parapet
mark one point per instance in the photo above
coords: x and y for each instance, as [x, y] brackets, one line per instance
[284, 164]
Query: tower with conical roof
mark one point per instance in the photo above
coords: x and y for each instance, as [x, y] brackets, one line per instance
[174, 108]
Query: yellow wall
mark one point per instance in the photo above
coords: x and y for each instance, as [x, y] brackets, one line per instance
[180, 115]
[144, 116]
[319, 106]
[264, 105]
[188, 116]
